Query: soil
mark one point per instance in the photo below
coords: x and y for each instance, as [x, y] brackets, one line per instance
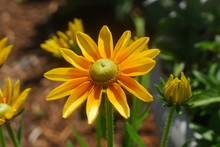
[27, 25]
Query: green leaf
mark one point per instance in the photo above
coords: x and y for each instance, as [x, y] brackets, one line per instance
[145, 80]
[79, 139]
[167, 56]
[202, 78]
[143, 115]
[218, 77]
[178, 68]
[69, 144]
[20, 131]
[186, 144]
[206, 133]
[213, 69]
[133, 134]
[205, 101]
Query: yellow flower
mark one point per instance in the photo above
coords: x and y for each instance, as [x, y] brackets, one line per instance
[4, 50]
[11, 100]
[64, 40]
[177, 90]
[103, 67]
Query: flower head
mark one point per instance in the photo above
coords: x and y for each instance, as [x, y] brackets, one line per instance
[103, 67]
[4, 50]
[64, 40]
[177, 90]
[11, 100]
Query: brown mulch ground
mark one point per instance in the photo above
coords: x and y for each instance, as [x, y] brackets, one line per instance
[27, 25]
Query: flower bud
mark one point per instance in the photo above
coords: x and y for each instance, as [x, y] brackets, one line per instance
[177, 90]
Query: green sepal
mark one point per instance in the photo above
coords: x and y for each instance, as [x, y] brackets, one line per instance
[74, 47]
[57, 55]
[19, 113]
[178, 109]
[158, 89]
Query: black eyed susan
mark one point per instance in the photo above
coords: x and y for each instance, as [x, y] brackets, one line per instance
[11, 100]
[103, 67]
[64, 40]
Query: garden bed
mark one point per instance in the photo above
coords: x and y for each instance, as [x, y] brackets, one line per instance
[27, 25]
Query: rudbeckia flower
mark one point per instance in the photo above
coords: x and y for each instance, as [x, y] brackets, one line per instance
[177, 90]
[64, 40]
[103, 67]
[11, 100]
[4, 50]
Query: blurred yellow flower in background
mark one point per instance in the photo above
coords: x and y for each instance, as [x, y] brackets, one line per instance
[4, 50]
[11, 100]
[103, 67]
[177, 90]
[64, 40]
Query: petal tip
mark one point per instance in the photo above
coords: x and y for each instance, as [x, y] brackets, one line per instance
[64, 116]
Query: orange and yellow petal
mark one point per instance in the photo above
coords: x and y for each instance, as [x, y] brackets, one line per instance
[1, 96]
[135, 88]
[118, 99]
[88, 47]
[135, 47]
[137, 67]
[105, 42]
[78, 96]
[65, 74]
[73, 27]
[150, 53]
[66, 88]
[18, 103]
[7, 91]
[3, 43]
[122, 43]
[5, 53]
[93, 103]
[16, 89]
[52, 45]
[10, 113]
[4, 50]
[77, 61]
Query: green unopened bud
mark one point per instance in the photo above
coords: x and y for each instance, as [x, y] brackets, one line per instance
[103, 70]
[4, 108]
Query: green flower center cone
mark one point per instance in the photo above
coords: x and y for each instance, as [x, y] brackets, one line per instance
[103, 70]
[4, 108]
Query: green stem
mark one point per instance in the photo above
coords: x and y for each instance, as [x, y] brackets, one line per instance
[167, 127]
[109, 122]
[98, 130]
[2, 138]
[11, 134]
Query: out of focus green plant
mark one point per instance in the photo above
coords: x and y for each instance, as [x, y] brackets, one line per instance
[208, 85]
[187, 32]
[185, 24]
[206, 114]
